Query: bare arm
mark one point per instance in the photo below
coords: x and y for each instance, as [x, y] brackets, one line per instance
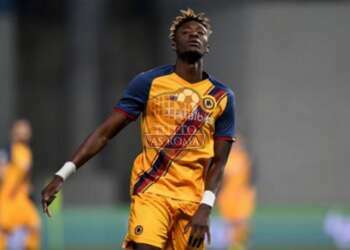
[200, 220]
[93, 144]
[216, 170]
[98, 139]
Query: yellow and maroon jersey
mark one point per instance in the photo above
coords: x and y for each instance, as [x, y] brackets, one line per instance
[180, 121]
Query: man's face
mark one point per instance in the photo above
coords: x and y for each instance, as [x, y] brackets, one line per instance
[191, 38]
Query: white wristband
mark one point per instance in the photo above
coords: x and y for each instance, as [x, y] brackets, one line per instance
[208, 198]
[68, 169]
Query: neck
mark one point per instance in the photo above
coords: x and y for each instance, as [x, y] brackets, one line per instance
[191, 72]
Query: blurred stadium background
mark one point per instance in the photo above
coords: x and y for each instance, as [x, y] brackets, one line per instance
[63, 65]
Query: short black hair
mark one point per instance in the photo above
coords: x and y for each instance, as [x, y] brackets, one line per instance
[186, 16]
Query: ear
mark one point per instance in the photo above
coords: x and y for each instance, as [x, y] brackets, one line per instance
[173, 45]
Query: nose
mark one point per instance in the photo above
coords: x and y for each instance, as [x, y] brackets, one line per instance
[194, 34]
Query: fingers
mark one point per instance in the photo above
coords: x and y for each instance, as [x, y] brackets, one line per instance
[190, 240]
[45, 207]
[49, 193]
[196, 237]
[194, 242]
[208, 235]
[199, 243]
[46, 203]
[46, 200]
[187, 227]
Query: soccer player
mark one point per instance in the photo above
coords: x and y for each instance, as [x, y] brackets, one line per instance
[236, 201]
[187, 132]
[19, 219]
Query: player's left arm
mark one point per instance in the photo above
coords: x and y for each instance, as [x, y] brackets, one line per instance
[200, 220]
[216, 170]
[223, 138]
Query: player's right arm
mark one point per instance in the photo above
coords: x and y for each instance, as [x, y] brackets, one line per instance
[129, 107]
[100, 137]
[93, 144]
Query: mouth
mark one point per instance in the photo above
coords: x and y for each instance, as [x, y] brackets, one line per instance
[194, 43]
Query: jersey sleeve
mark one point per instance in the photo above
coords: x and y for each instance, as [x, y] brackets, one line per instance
[225, 124]
[134, 98]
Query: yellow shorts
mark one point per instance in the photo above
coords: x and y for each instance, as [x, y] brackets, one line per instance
[159, 221]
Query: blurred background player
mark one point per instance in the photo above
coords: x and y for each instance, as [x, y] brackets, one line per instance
[19, 218]
[3, 164]
[236, 201]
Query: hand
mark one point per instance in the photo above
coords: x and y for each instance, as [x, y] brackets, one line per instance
[200, 226]
[48, 193]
